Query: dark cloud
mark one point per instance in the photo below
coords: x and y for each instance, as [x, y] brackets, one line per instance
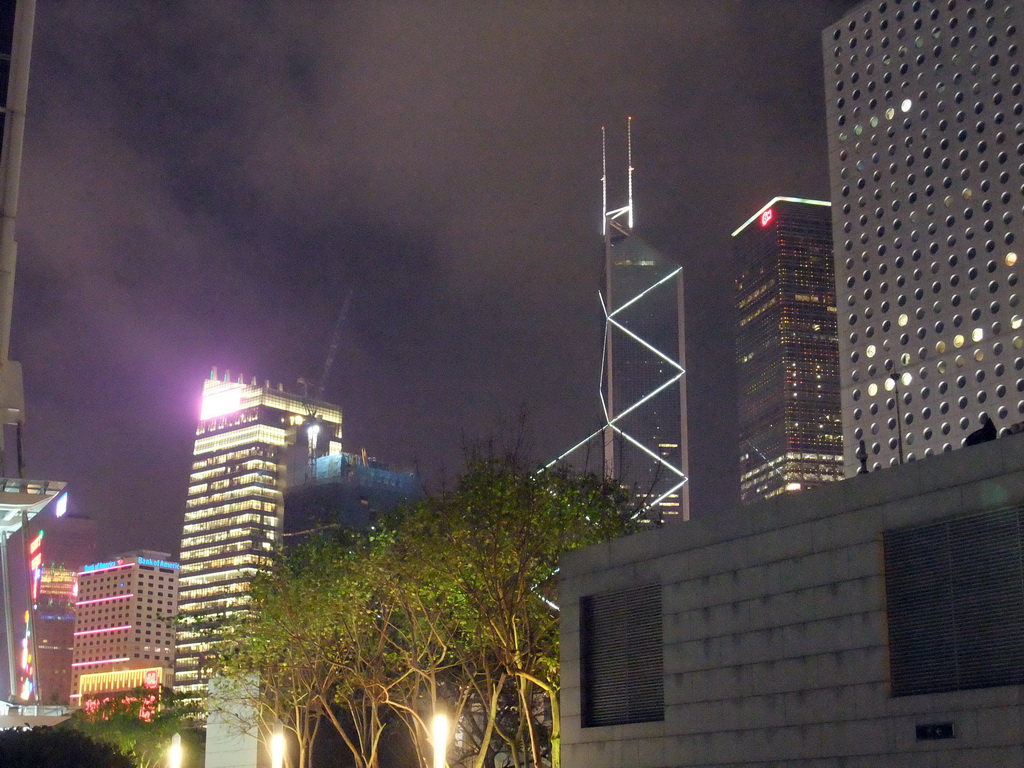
[205, 182]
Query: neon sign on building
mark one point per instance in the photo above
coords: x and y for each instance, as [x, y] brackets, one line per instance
[99, 688]
[27, 688]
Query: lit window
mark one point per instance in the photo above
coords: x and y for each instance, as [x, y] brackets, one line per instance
[872, 389]
[958, 341]
[905, 105]
[977, 334]
[870, 351]
[1011, 259]
[903, 319]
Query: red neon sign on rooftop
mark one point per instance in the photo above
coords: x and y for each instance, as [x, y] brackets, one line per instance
[766, 217]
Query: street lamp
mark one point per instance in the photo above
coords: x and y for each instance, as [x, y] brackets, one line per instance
[439, 728]
[174, 753]
[277, 746]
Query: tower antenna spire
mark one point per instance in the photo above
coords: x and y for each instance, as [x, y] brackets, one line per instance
[604, 183]
[629, 159]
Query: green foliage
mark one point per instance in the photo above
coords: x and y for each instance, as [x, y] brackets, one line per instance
[449, 604]
[139, 724]
[57, 748]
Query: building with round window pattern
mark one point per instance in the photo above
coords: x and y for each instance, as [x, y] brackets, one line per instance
[926, 157]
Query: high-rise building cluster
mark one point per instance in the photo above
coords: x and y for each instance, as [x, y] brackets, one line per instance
[881, 327]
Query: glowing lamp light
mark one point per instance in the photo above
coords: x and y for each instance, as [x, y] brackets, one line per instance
[766, 217]
[793, 486]
[277, 746]
[220, 403]
[439, 731]
[174, 753]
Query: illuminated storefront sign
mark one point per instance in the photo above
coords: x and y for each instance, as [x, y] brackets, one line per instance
[61, 507]
[157, 563]
[99, 688]
[104, 565]
[120, 680]
[120, 563]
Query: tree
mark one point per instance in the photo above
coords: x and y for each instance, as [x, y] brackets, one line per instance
[451, 603]
[314, 637]
[498, 537]
[138, 723]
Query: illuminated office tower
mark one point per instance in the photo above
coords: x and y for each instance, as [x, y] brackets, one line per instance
[926, 141]
[234, 512]
[124, 627]
[787, 356]
[643, 382]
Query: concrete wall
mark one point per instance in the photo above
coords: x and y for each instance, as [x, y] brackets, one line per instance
[774, 630]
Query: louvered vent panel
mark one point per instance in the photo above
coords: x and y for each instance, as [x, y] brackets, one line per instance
[622, 657]
[955, 604]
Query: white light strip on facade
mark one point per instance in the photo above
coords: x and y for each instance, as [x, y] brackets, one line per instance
[772, 202]
[99, 661]
[645, 292]
[104, 599]
[580, 444]
[647, 450]
[656, 351]
[97, 631]
[647, 397]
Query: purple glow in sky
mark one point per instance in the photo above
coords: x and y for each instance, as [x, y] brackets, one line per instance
[203, 183]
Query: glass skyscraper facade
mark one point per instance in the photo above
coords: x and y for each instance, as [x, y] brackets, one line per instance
[643, 378]
[926, 144]
[234, 509]
[787, 354]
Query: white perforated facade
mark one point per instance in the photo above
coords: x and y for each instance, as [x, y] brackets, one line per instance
[926, 157]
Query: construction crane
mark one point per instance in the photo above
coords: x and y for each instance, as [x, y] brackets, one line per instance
[312, 417]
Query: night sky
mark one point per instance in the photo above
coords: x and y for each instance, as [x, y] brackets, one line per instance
[204, 182]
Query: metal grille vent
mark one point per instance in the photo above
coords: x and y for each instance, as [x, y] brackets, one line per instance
[622, 657]
[955, 604]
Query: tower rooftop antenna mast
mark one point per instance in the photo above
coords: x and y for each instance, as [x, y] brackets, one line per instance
[627, 209]
[604, 182]
[629, 160]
